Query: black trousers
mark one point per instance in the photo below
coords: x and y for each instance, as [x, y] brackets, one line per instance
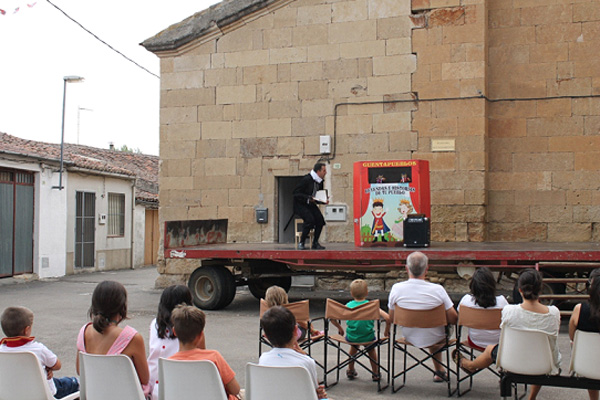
[313, 219]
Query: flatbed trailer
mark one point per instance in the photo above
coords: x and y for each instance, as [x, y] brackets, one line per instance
[220, 268]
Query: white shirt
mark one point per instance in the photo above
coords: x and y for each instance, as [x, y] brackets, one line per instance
[483, 337]
[284, 357]
[515, 316]
[418, 294]
[47, 358]
[158, 348]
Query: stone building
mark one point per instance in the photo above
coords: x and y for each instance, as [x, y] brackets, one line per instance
[502, 97]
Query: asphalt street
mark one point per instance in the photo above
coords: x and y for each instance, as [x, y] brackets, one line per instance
[60, 307]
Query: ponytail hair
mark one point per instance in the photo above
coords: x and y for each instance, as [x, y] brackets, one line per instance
[169, 299]
[109, 300]
[594, 292]
[530, 284]
[483, 287]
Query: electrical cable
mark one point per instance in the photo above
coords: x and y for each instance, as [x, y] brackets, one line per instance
[102, 41]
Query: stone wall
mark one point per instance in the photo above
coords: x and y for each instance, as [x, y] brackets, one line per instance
[543, 174]
[246, 104]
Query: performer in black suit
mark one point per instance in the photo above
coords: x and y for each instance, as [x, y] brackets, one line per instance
[305, 205]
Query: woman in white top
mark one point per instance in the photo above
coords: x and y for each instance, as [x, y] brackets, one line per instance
[529, 315]
[483, 295]
[163, 342]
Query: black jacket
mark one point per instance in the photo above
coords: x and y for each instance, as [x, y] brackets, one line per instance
[305, 189]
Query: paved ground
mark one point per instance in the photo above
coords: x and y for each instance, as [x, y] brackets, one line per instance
[61, 305]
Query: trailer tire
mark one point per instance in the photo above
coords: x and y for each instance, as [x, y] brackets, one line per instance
[212, 287]
[258, 287]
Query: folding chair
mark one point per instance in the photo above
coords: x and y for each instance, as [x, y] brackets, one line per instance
[189, 380]
[365, 312]
[474, 318]
[108, 377]
[290, 383]
[432, 318]
[522, 352]
[585, 356]
[301, 312]
[22, 377]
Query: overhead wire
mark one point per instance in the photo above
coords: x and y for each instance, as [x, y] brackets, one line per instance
[102, 41]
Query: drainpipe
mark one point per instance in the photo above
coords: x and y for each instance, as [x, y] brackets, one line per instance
[132, 230]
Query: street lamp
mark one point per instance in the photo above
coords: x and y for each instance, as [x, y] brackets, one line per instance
[79, 109]
[66, 79]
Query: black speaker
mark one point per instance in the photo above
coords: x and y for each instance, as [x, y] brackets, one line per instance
[417, 231]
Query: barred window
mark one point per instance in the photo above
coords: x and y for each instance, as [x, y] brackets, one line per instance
[116, 214]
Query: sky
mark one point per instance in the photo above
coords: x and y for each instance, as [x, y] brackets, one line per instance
[118, 102]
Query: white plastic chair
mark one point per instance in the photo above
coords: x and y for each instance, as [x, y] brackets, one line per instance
[22, 378]
[290, 383]
[524, 352]
[189, 380]
[108, 377]
[585, 356]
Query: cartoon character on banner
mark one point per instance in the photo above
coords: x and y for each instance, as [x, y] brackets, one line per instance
[379, 227]
[405, 208]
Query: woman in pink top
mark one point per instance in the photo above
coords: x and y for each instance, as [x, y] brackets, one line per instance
[104, 336]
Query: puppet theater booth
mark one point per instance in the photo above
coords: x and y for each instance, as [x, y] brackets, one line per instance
[392, 203]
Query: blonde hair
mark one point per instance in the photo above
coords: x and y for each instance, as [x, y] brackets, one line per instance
[276, 296]
[359, 289]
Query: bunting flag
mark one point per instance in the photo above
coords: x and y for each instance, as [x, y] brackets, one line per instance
[14, 8]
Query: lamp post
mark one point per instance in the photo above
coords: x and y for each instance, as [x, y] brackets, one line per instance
[66, 79]
[79, 109]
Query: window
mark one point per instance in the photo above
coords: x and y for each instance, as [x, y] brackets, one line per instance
[116, 214]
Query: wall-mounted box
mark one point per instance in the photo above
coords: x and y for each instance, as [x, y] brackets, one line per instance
[336, 212]
[101, 219]
[262, 215]
[325, 144]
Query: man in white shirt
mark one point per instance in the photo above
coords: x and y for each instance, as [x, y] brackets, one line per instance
[418, 294]
[279, 325]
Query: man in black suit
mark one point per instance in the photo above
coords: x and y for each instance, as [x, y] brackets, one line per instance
[305, 205]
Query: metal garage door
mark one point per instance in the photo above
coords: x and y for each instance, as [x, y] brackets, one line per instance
[16, 222]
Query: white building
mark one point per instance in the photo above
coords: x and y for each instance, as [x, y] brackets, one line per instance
[100, 213]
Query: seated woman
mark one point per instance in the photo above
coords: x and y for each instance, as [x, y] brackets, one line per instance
[586, 316]
[483, 295]
[529, 315]
[104, 336]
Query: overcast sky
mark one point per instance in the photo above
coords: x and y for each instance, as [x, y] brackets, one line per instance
[39, 46]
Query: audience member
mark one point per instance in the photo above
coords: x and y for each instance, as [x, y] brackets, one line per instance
[483, 295]
[362, 331]
[17, 324]
[586, 316]
[279, 325]
[418, 294]
[104, 335]
[163, 343]
[188, 325]
[529, 315]
[277, 296]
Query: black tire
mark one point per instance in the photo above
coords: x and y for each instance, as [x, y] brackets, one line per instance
[212, 287]
[258, 287]
[547, 288]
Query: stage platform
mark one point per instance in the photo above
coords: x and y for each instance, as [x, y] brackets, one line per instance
[441, 254]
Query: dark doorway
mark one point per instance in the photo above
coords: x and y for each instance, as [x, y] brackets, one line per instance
[85, 229]
[285, 207]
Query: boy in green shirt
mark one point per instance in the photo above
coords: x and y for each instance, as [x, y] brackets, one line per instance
[362, 331]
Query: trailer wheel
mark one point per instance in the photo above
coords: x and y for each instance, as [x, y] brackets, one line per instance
[212, 287]
[547, 288]
[258, 287]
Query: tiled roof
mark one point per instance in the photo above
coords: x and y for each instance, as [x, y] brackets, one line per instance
[219, 15]
[141, 166]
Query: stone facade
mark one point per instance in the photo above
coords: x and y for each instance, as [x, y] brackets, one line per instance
[246, 101]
